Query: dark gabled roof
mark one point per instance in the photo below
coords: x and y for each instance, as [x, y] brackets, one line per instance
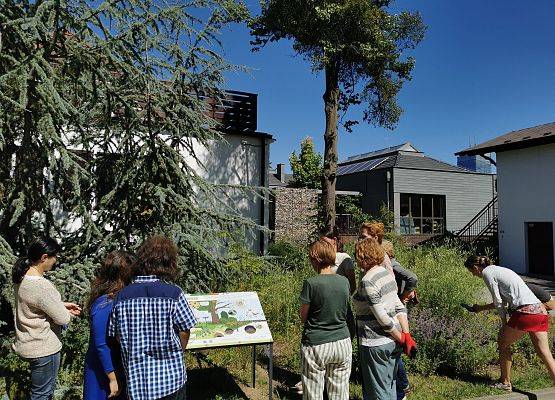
[405, 147]
[424, 162]
[404, 156]
[521, 139]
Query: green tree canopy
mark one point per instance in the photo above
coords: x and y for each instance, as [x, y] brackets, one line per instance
[361, 47]
[307, 166]
[101, 104]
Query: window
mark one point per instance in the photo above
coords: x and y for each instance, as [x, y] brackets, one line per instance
[422, 214]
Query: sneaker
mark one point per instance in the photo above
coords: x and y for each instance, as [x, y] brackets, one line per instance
[298, 388]
[502, 386]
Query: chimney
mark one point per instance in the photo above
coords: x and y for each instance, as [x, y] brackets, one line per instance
[281, 172]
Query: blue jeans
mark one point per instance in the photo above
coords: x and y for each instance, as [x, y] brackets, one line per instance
[44, 371]
[379, 371]
[402, 380]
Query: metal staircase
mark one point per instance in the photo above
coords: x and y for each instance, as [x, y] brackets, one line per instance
[483, 227]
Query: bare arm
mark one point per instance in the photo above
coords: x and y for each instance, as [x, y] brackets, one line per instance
[113, 385]
[303, 313]
[184, 338]
[397, 335]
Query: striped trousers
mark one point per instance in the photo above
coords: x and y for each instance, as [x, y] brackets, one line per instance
[326, 364]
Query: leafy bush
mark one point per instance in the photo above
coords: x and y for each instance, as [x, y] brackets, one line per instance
[288, 256]
[443, 281]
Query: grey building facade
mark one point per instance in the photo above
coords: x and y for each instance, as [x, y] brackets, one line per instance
[427, 196]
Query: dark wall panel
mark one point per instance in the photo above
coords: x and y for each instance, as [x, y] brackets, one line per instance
[372, 185]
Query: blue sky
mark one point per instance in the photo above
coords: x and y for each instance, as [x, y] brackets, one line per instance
[483, 69]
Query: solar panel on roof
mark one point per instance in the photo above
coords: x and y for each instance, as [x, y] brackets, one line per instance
[360, 166]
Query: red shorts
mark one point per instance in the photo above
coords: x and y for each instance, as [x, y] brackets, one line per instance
[529, 322]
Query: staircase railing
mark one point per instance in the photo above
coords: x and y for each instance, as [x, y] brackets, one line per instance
[482, 223]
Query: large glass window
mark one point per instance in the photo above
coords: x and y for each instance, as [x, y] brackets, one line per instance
[422, 214]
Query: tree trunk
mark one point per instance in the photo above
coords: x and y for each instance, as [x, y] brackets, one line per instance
[331, 104]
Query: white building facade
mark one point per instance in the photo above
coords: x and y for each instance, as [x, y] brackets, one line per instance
[526, 192]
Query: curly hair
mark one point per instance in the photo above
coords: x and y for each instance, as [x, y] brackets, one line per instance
[157, 256]
[373, 228]
[322, 253]
[369, 253]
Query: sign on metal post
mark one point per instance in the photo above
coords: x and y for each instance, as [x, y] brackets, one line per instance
[228, 320]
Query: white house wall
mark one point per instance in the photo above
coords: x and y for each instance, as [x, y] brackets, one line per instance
[526, 190]
[465, 193]
[233, 160]
[237, 160]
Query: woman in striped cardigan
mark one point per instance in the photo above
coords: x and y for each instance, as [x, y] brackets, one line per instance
[381, 322]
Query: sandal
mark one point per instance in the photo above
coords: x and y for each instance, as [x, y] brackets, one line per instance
[298, 388]
[502, 386]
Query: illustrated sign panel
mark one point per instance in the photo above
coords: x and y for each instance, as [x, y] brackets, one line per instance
[228, 319]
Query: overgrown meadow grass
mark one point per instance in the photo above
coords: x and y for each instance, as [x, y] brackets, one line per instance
[457, 350]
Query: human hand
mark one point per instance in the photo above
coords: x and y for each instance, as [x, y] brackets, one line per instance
[74, 309]
[408, 296]
[398, 336]
[114, 387]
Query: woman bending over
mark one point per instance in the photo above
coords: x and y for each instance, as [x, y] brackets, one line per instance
[527, 314]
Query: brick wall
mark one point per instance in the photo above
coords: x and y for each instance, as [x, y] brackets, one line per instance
[295, 214]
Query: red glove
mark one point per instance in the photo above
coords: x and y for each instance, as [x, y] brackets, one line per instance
[409, 345]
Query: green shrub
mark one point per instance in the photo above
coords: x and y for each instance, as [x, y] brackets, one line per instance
[443, 281]
[288, 256]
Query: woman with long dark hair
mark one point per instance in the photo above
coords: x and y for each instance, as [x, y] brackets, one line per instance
[103, 377]
[39, 316]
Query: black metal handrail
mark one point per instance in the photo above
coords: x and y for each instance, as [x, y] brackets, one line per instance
[482, 223]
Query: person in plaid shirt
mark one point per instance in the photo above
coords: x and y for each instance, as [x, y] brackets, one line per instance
[152, 320]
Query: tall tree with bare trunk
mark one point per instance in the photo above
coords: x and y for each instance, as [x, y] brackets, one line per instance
[361, 46]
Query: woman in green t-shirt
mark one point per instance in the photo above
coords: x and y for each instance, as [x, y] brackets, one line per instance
[326, 350]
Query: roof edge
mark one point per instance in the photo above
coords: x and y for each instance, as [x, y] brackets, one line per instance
[507, 146]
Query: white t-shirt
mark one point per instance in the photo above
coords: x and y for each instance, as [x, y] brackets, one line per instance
[343, 263]
[507, 289]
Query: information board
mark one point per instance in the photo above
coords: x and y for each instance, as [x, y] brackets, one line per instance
[228, 319]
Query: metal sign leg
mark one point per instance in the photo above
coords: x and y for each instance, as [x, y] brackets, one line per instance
[271, 372]
[254, 366]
